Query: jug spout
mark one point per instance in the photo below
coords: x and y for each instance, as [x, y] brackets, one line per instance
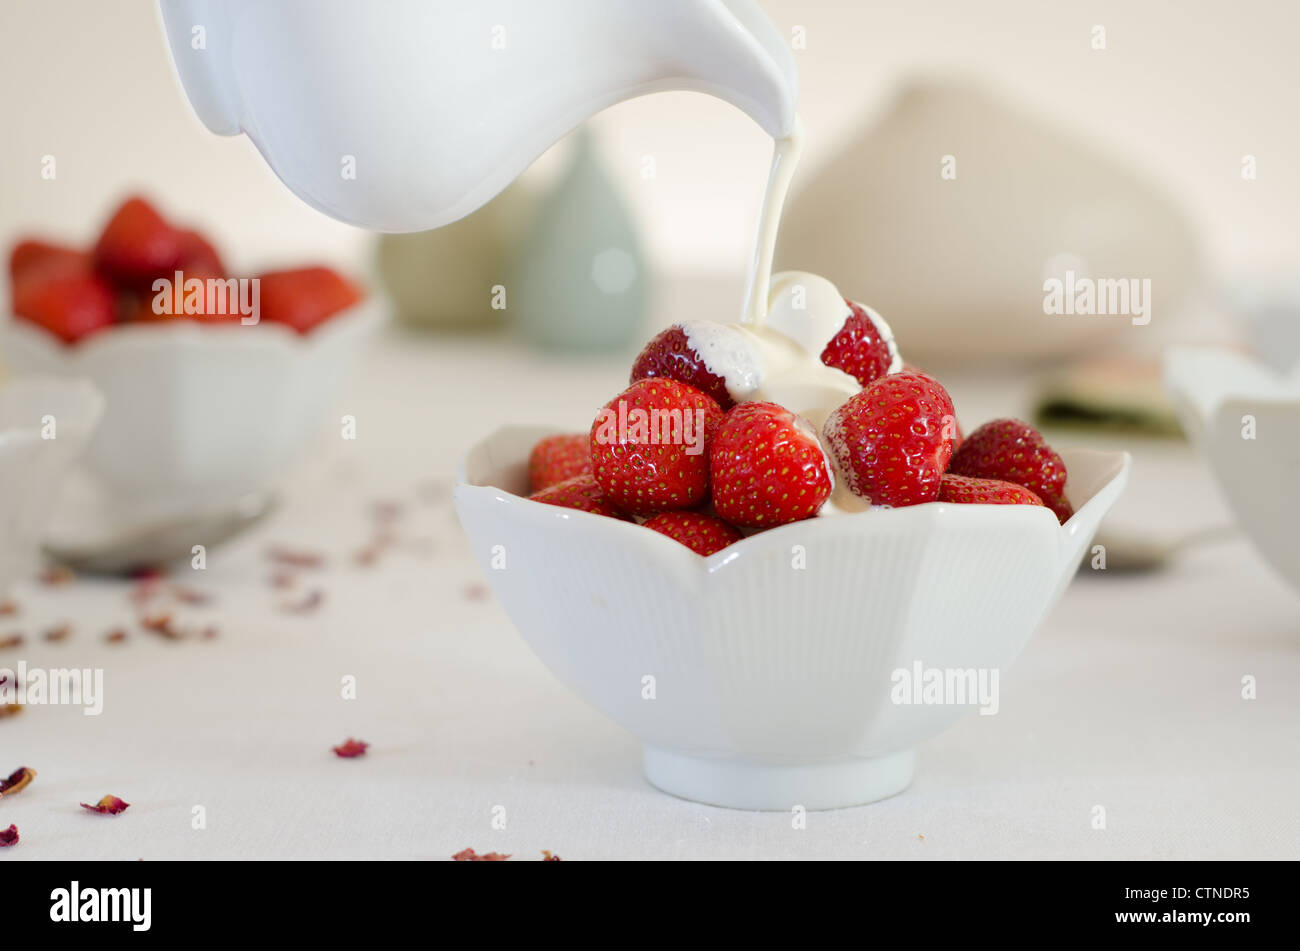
[739, 55]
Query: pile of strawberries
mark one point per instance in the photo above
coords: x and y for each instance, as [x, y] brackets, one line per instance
[74, 292]
[895, 443]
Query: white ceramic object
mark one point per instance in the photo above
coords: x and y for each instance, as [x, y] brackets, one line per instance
[199, 418]
[1214, 391]
[441, 103]
[1269, 312]
[958, 264]
[772, 684]
[32, 464]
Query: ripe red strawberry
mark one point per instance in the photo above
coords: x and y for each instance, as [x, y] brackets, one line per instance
[893, 440]
[859, 349]
[702, 534]
[1013, 451]
[305, 297]
[580, 492]
[557, 458]
[138, 245]
[32, 262]
[650, 446]
[966, 490]
[957, 435]
[70, 307]
[198, 255]
[218, 304]
[670, 355]
[767, 468]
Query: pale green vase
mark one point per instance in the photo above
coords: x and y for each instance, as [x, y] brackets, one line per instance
[578, 279]
[449, 277]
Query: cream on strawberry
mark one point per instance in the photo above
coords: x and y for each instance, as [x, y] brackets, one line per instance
[781, 361]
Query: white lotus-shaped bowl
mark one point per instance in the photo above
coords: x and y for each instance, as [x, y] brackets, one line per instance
[44, 425]
[1244, 417]
[751, 681]
[198, 417]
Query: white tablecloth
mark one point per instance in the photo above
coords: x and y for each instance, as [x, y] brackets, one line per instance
[1129, 697]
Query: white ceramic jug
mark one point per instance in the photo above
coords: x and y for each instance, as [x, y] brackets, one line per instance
[404, 115]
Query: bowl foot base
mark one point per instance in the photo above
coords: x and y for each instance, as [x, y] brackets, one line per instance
[744, 784]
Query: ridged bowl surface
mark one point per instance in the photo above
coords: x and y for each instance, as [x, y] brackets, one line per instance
[776, 653]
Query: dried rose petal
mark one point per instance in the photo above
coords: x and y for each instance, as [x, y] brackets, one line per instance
[351, 748]
[548, 856]
[60, 632]
[10, 709]
[475, 592]
[469, 855]
[11, 640]
[146, 590]
[8, 836]
[115, 636]
[189, 595]
[310, 603]
[57, 575]
[109, 805]
[296, 559]
[161, 623]
[387, 510]
[17, 780]
[8, 607]
[156, 622]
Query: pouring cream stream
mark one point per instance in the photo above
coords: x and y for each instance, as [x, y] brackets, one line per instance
[774, 354]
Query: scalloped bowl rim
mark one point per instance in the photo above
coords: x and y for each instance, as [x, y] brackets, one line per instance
[1204, 378]
[190, 334]
[1115, 466]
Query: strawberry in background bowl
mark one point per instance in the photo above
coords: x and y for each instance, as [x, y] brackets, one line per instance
[214, 383]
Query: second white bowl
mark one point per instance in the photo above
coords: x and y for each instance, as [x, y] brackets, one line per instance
[1244, 417]
[199, 417]
[44, 425]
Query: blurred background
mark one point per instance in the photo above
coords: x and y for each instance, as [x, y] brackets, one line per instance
[1179, 94]
[1116, 140]
[1182, 91]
